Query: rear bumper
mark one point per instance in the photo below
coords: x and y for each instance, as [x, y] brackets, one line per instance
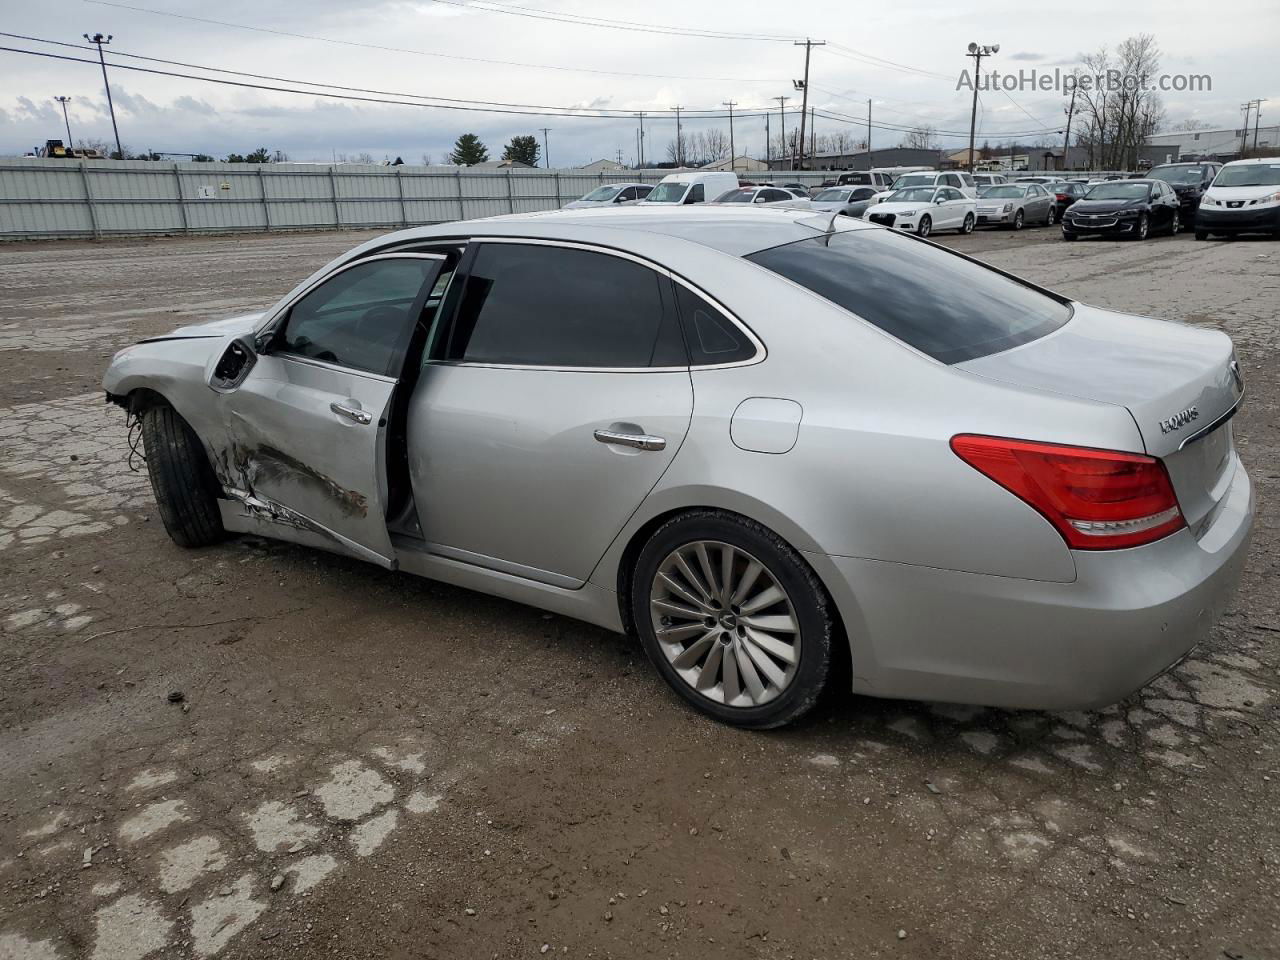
[929, 634]
[1244, 220]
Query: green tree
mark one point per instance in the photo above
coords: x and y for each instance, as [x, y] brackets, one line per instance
[524, 150]
[258, 156]
[468, 151]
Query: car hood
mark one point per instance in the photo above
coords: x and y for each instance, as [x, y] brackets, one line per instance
[898, 207]
[829, 206]
[1241, 193]
[230, 327]
[1106, 206]
[585, 204]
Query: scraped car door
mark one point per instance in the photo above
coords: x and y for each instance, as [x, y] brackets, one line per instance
[553, 401]
[304, 443]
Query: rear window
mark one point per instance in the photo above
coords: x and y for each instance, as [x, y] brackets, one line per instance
[938, 302]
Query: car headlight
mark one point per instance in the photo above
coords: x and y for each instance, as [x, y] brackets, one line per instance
[1209, 202]
[1126, 213]
[1008, 207]
[907, 213]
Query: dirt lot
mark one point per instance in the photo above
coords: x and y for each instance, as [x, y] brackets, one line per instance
[368, 765]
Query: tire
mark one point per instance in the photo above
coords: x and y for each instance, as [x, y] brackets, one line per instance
[1018, 220]
[969, 223]
[925, 226]
[1144, 228]
[1070, 237]
[1051, 216]
[1202, 234]
[182, 480]
[785, 689]
[1176, 225]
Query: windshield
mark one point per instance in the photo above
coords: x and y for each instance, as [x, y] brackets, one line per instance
[1177, 174]
[944, 305]
[1003, 190]
[602, 194]
[913, 195]
[1249, 175]
[671, 192]
[736, 196]
[1118, 190]
[914, 180]
[832, 195]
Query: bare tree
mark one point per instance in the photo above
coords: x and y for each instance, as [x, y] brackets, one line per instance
[1120, 114]
[1190, 124]
[426, 159]
[922, 138]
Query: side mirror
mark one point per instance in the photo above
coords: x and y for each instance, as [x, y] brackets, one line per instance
[940, 201]
[234, 365]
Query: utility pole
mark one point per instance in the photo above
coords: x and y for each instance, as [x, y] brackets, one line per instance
[782, 102]
[768, 140]
[1257, 115]
[641, 150]
[813, 133]
[99, 39]
[733, 156]
[868, 133]
[546, 147]
[64, 101]
[679, 138]
[804, 86]
[1244, 129]
[1066, 141]
[977, 53]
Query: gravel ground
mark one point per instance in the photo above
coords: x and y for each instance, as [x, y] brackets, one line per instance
[363, 764]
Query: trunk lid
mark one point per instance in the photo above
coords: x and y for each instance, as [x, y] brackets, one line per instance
[1180, 384]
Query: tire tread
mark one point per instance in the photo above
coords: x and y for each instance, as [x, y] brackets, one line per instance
[181, 479]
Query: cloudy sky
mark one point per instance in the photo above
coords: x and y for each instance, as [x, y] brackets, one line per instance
[905, 57]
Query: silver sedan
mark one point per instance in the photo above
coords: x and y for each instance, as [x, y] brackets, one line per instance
[768, 443]
[1016, 205]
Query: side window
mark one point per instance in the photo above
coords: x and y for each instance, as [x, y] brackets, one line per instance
[548, 306]
[627, 194]
[951, 180]
[712, 337]
[697, 195]
[773, 196]
[643, 192]
[361, 318]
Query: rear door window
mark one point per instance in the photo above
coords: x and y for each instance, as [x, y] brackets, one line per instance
[943, 304]
[550, 306]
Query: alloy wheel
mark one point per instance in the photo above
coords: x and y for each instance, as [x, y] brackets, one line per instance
[1017, 220]
[1143, 227]
[968, 223]
[926, 224]
[1177, 224]
[725, 623]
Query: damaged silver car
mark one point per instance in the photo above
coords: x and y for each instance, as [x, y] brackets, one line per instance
[771, 444]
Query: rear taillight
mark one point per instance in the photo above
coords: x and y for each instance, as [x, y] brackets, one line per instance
[1098, 499]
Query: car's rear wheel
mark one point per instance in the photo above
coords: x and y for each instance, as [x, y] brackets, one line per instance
[968, 223]
[182, 480]
[1049, 217]
[1176, 225]
[925, 226]
[1018, 220]
[734, 619]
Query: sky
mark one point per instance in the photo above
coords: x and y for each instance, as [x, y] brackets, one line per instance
[905, 57]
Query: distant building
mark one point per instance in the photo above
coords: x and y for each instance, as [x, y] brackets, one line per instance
[602, 166]
[501, 165]
[863, 159]
[738, 164]
[1223, 144]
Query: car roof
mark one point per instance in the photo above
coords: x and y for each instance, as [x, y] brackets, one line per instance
[1238, 163]
[733, 229]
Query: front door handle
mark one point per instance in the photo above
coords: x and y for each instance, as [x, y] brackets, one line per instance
[354, 414]
[641, 441]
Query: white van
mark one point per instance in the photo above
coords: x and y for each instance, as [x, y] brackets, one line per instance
[691, 187]
[1243, 198]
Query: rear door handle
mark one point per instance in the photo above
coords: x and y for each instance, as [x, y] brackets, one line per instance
[641, 441]
[354, 414]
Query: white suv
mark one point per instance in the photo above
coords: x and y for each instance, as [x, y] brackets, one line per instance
[930, 178]
[1243, 198]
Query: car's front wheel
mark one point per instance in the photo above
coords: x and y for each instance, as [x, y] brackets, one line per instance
[925, 226]
[1144, 227]
[1202, 234]
[182, 480]
[733, 618]
[1018, 220]
[1176, 225]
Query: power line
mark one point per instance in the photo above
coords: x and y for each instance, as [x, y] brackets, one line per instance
[416, 53]
[530, 12]
[848, 53]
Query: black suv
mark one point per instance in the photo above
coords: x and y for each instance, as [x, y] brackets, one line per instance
[1188, 180]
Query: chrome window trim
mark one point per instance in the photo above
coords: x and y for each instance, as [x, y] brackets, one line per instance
[761, 352]
[337, 368]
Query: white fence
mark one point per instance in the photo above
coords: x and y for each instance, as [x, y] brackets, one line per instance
[96, 198]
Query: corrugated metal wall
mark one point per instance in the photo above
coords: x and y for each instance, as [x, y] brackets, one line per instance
[95, 198]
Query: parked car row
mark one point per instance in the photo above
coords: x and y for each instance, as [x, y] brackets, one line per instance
[1239, 197]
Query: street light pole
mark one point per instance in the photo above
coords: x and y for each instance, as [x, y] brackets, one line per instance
[64, 101]
[733, 156]
[804, 86]
[782, 103]
[99, 39]
[977, 53]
